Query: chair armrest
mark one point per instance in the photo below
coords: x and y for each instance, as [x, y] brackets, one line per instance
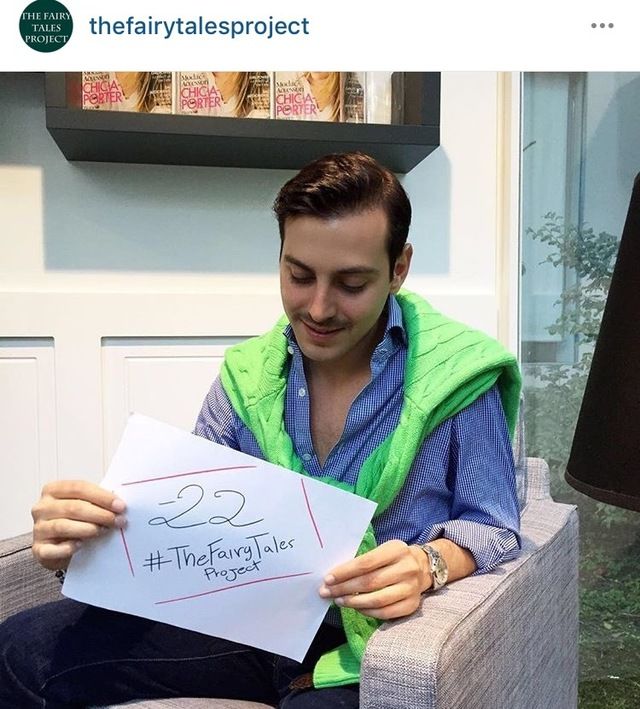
[505, 638]
[23, 582]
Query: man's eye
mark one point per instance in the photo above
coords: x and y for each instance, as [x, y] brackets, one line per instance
[301, 279]
[353, 289]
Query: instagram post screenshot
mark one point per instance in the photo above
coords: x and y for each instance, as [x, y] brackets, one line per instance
[319, 355]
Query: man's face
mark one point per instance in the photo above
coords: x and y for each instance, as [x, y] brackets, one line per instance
[334, 282]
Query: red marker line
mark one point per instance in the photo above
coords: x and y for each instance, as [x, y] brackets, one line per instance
[194, 472]
[315, 526]
[237, 585]
[126, 549]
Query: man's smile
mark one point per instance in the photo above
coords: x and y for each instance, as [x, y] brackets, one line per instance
[320, 332]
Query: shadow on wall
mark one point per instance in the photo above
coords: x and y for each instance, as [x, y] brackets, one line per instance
[429, 188]
[165, 218]
[161, 218]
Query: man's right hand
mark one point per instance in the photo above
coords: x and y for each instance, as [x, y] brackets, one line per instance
[68, 512]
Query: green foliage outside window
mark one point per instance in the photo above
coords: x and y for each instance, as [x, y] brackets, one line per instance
[610, 536]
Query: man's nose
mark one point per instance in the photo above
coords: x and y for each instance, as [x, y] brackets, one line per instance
[322, 306]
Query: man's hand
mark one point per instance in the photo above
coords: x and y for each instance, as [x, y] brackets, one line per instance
[384, 583]
[67, 512]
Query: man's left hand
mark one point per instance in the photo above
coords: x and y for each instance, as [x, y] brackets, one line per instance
[386, 582]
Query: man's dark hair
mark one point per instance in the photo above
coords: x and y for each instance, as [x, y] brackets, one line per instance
[342, 184]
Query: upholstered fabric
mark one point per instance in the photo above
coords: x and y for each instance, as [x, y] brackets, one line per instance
[23, 582]
[505, 639]
[537, 483]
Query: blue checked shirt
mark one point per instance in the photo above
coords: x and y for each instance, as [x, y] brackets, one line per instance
[461, 485]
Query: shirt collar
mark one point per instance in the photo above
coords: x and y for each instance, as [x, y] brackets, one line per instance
[395, 325]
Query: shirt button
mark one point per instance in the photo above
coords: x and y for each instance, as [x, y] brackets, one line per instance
[302, 391]
[290, 349]
[307, 457]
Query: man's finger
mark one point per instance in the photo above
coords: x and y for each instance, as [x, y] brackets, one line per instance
[381, 556]
[388, 596]
[374, 581]
[395, 610]
[50, 554]
[56, 550]
[83, 490]
[73, 509]
[46, 530]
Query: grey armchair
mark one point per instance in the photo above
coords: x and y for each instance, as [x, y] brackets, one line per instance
[503, 640]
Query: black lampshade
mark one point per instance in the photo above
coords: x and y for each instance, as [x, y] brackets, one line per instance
[605, 456]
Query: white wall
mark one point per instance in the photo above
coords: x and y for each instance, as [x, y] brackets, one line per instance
[120, 285]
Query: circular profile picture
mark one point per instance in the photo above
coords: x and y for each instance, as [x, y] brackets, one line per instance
[46, 25]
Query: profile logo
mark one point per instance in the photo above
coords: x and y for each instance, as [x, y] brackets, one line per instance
[46, 25]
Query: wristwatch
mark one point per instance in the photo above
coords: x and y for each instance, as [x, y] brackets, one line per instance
[437, 565]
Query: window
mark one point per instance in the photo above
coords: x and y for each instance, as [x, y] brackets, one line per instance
[581, 152]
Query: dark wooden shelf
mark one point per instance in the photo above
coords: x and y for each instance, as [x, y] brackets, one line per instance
[110, 136]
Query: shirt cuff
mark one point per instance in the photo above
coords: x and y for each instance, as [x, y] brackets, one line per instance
[489, 546]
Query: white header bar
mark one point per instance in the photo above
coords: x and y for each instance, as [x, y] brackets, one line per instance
[536, 35]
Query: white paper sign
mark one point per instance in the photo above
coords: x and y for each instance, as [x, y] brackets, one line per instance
[217, 541]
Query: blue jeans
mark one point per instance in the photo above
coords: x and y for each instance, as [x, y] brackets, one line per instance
[67, 655]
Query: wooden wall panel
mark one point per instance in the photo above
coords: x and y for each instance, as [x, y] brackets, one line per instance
[164, 378]
[27, 428]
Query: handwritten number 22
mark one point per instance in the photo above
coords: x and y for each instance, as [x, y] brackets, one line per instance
[199, 496]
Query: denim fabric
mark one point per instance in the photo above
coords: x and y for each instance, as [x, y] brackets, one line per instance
[67, 655]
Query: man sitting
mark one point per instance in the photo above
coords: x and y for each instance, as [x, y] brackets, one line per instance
[361, 385]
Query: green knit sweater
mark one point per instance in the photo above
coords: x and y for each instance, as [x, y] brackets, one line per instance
[448, 366]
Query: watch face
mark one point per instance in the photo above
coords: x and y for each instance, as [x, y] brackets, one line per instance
[437, 566]
[439, 569]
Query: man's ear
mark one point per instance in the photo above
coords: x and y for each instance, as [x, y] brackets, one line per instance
[401, 268]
